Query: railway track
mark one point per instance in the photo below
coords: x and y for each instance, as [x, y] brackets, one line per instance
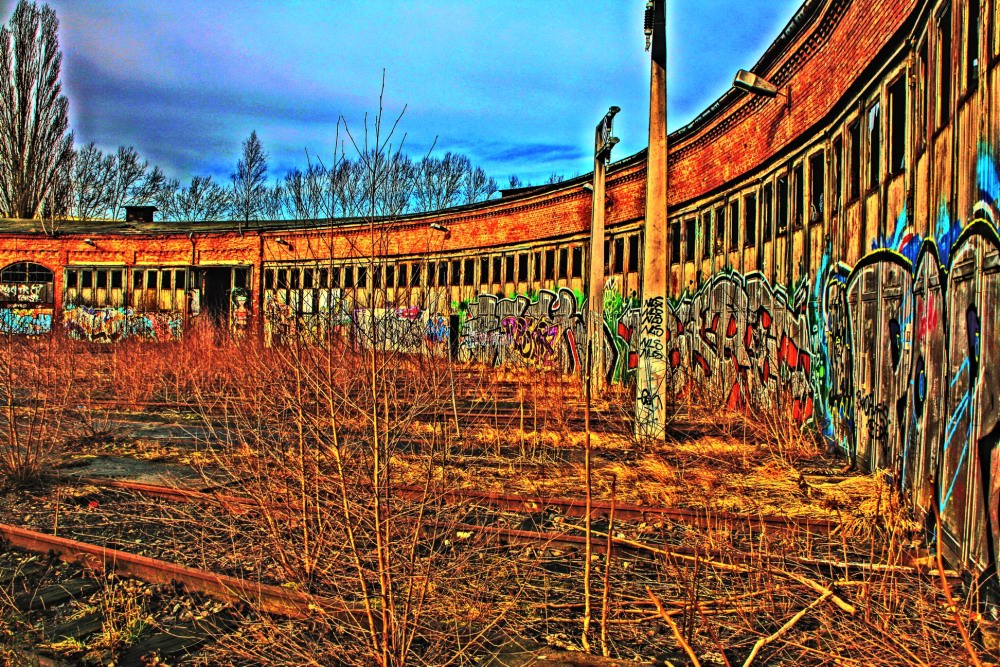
[570, 538]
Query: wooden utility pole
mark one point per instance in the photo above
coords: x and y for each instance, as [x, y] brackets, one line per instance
[651, 384]
[603, 143]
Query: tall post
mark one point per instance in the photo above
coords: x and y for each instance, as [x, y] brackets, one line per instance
[651, 380]
[603, 143]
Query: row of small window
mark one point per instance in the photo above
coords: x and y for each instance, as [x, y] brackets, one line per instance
[540, 265]
[780, 205]
[151, 289]
[859, 136]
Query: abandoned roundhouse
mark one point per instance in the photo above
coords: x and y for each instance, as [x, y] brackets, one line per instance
[835, 242]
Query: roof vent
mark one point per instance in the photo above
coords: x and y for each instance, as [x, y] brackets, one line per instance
[139, 213]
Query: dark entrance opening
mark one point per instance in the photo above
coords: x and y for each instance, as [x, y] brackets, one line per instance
[217, 285]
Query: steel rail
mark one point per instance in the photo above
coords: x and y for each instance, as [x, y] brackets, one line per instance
[504, 501]
[265, 597]
[513, 536]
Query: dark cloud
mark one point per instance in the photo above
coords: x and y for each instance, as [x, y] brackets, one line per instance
[517, 86]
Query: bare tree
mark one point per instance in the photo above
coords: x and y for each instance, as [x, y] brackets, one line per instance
[93, 174]
[439, 181]
[201, 200]
[133, 183]
[476, 186]
[554, 178]
[515, 182]
[249, 190]
[34, 123]
[305, 193]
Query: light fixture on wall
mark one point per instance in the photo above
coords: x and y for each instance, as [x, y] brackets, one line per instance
[281, 241]
[90, 242]
[758, 85]
[438, 227]
[589, 187]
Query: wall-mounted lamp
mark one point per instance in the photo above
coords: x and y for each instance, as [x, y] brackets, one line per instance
[281, 241]
[90, 243]
[437, 226]
[757, 85]
[589, 187]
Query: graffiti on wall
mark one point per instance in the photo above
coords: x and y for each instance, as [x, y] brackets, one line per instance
[743, 342]
[549, 332]
[113, 324]
[23, 292]
[25, 320]
[894, 360]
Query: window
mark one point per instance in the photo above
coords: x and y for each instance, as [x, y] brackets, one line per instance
[689, 231]
[484, 270]
[431, 274]
[498, 269]
[469, 273]
[799, 195]
[27, 282]
[767, 212]
[404, 269]
[920, 98]
[335, 277]
[897, 125]
[633, 251]
[442, 274]
[577, 261]
[854, 166]
[607, 257]
[942, 69]
[268, 279]
[510, 269]
[706, 234]
[537, 266]
[349, 276]
[415, 274]
[734, 225]
[550, 264]
[563, 263]
[362, 276]
[151, 279]
[838, 172]
[456, 272]
[390, 275]
[164, 289]
[781, 205]
[619, 255]
[996, 32]
[972, 32]
[720, 228]
[817, 185]
[376, 277]
[749, 220]
[522, 267]
[675, 242]
[874, 145]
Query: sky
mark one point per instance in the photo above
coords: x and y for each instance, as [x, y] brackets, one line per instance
[517, 85]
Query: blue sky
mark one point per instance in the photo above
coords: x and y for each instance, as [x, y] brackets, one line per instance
[517, 85]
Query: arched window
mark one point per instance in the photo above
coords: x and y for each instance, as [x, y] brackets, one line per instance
[26, 282]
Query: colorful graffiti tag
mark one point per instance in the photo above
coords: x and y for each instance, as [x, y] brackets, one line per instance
[25, 321]
[23, 292]
[113, 324]
[895, 360]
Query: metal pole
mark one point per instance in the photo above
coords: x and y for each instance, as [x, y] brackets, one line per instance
[651, 384]
[603, 143]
